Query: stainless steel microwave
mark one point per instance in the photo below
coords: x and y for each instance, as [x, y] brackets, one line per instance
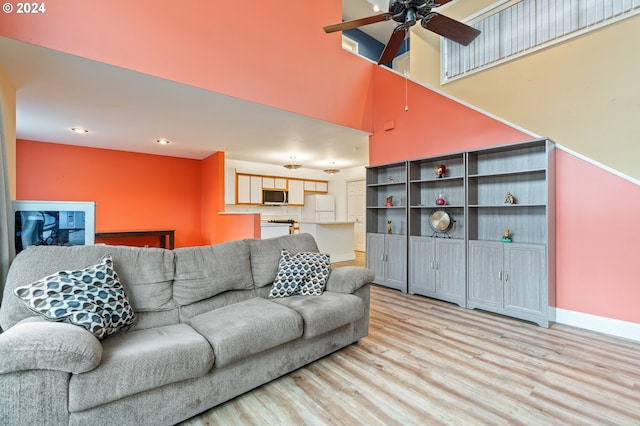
[272, 197]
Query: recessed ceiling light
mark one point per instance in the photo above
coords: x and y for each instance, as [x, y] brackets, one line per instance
[79, 130]
[163, 141]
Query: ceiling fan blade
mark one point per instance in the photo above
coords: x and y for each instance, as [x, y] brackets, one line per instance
[450, 28]
[347, 25]
[393, 45]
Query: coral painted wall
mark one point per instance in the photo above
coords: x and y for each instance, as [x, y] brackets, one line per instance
[132, 191]
[217, 228]
[597, 235]
[434, 124]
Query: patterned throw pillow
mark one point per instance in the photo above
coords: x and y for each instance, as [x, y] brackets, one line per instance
[92, 298]
[302, 273]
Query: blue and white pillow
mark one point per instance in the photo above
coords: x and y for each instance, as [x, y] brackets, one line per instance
[303, 273]
[92, 298]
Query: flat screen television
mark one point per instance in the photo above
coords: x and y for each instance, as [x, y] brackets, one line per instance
[53, 223]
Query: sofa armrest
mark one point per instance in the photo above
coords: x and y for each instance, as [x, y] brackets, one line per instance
[43, 345]
[349, 278]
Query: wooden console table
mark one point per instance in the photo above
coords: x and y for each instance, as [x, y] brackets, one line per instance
[162, 234]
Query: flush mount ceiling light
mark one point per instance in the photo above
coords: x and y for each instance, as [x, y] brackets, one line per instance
[292, 165]
[331, 170]
[163, 141]
[79, 130]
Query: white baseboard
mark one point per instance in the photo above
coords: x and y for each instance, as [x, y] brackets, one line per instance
[614, 327]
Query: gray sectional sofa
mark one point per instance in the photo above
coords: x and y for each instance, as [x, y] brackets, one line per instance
[205, 332]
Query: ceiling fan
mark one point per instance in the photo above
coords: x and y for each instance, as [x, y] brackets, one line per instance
[407, 13]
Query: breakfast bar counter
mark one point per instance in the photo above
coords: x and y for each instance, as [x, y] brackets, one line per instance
[335, 238]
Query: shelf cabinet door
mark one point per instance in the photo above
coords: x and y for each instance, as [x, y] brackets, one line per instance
[387, 258]
[422, 279]
[485, 275]
[450, 270]
[396, 261]
[525, 280]
[437, 268]
[375, 256]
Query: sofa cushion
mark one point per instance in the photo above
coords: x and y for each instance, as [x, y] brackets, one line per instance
[146, 274]
[324, 313]
[303, 273]
[136, 361]
[203, 272]
[265, 254]
[243, 329]
[91, 297]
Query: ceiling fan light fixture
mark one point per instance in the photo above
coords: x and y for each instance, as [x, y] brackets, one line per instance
[79, 130]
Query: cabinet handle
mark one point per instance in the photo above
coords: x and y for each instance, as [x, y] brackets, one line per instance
[436, 262]
[382, 258]
[506, 276]
[432, 264]
[500, 275]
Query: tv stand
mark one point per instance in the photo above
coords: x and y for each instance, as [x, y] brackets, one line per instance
[163, 234]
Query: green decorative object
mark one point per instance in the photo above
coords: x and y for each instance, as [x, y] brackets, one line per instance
[506, 237]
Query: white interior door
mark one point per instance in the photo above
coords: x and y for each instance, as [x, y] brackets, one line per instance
[356, 212]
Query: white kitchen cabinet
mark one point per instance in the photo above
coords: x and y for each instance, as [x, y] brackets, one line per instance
[296, 192]
[273, 182]
[316, 186]
[249, 189]
[229, 185]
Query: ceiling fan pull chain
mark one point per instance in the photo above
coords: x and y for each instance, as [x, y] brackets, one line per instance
[406, 84]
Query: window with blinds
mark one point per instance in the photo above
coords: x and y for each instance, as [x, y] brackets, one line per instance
[521, 27]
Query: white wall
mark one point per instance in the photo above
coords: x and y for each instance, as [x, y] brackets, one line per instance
[337, 187]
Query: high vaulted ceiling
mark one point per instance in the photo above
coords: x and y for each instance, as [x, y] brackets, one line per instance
[127, 110]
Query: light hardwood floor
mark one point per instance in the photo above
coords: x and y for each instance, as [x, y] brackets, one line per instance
[427, 362]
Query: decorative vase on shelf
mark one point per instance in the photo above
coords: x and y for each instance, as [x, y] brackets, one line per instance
[389, 227]
[440, 201]
[389, 202]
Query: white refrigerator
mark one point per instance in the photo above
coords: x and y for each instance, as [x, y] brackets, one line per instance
[319, 208]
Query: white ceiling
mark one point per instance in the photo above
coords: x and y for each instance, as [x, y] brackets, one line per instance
[129, 111]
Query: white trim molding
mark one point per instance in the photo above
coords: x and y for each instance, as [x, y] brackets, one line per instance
[613, 327]
[598, 164]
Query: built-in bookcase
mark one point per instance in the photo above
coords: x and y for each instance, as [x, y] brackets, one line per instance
[470, 262]
[387, 228]
[510, 230]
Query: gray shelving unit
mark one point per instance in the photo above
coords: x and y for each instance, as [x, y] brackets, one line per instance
[437, 255]
[512, 278]
[468, 263]
[387, 251]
